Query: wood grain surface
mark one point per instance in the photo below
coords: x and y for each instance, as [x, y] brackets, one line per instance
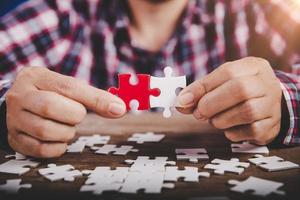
[181, 132]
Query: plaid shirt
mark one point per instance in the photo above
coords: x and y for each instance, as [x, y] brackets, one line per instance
[89, 39]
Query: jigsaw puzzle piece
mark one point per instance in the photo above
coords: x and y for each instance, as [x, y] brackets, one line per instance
[56, 173]
[221, 166]
[108, 148]
[12, 186]
[256, 186]
[144, 163]
[18, 167]
[246, 147]
[141, 138]
[190, 174]
[94, 140]
[167, 86]
[140, 91]
[106, 173]
[76, 147]
[193, 155]
[146, 181]
[97, 188]
[272, 163]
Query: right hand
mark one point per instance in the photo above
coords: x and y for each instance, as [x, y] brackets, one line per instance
[43, 108]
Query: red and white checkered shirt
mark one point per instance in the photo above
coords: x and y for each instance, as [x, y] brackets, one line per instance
[89, 39]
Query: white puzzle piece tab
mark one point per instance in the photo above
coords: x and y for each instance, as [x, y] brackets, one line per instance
[110, 148]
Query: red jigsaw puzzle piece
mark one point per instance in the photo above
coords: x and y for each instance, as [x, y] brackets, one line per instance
[140, 92]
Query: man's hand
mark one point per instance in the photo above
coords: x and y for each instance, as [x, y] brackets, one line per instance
[43, 108]
[242, 97]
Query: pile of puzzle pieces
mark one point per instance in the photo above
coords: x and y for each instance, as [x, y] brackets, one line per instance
[143, 91]
[150, 175]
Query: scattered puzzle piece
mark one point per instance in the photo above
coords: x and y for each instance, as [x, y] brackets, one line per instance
[272, 163]
[146, 181]
[97, 188]
[190, 174]
[193, 155]
[76, 147]
[222, 166]
[55, 173]
[140, 91]
[17, 166]
[167, 86]
[12, 186]
[256, 186]
[246, 147]
[108, 148]
[17, 156]
[144, 163]
[141, 138]
[94, 140]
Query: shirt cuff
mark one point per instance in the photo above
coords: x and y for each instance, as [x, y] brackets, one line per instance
[4, 87]
[290, 90]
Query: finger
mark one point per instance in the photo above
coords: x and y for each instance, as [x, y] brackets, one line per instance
[53, 106]
[260, 131]
[190, 95]
[229, 94]
[99, 101]
[44, 129]
[30, 146]
[244, 113]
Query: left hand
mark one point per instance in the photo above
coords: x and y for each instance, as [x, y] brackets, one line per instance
[242, 97]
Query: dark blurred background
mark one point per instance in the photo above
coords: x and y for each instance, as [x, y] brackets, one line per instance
[7, 5]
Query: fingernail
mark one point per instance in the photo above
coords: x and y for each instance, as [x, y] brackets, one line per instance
[116, 109]
[186, 99]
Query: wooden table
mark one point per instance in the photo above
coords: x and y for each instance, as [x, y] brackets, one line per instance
[181, 131]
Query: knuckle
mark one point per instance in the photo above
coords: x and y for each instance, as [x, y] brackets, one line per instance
[11, 98]
[231, 136]
[248, 112]
[80, 114]
[228, 71]
[241, 89]
[45, 109]
[255, 131]
[101, 103]
[41, 130]
[216, 122]
[70, 134]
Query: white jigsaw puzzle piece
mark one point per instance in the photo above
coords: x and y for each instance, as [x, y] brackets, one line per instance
[141, 138]
[94, 139]
[146, 181]
[256, 186]
[246, 147]
[18, 167]
[17, 156]
[272, 163]
[106, 174]
[97, 188]
[12, 186]
[167, 86]
[222, 166]
[109, 148]
[190, 174]
[76, 147]
[193, 155]
[144, 163]
[56, 173]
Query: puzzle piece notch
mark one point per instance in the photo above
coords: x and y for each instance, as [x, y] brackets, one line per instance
[144, 163]
[94, 140]
[140, 91]
[17, 156]
[222, 166]
[272, 163]
[97, 188]
[246, 147]
[141, 138]
[147, 181]
[18, 167]
[257, 186]
[193, 155]
[109, 148]
[167, 86]
[55, 173]
[190, 174]
[12, 186]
